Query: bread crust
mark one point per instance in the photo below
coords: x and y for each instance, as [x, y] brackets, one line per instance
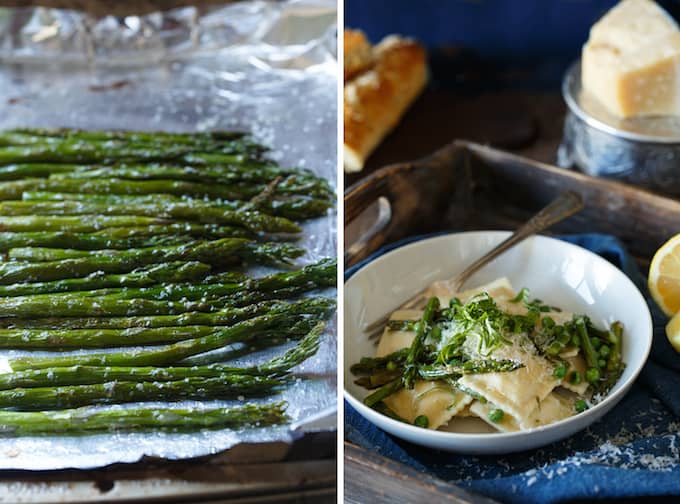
[358, 55]
[375, 101]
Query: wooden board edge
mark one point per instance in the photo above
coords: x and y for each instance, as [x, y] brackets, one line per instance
[370, 477]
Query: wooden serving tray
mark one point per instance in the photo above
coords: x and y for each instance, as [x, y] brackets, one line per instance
[370, 477]
[468, 186]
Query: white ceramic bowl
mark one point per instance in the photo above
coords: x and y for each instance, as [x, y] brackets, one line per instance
[559, 273]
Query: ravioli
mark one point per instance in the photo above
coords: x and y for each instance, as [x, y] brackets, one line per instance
[498, 289]
[391, 341]
[517, 392]
[434, 399]
[551, 409]
[523, 384]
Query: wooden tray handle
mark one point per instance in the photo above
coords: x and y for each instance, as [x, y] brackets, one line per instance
[418, 194]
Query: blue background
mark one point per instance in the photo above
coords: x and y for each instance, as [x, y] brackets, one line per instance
[543, 36]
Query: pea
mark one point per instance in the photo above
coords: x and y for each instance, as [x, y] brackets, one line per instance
[560, 371]
[580, 405]
[605, 351]
[592, 375]
[555, 348]
[422, 421]
[596, 342]
[548, 322]
[575, 377]
[601, 363]
[496, 415]
[391, 366]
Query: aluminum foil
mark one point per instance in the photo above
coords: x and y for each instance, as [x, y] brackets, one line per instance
[643, 151]
[275, 77]
[37, 35]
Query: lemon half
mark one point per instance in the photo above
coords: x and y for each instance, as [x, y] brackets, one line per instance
[673, 332]
[664, 276]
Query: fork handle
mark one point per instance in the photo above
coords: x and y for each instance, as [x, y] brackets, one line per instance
[566, 204]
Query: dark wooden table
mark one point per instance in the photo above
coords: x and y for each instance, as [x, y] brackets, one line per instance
[523, 122]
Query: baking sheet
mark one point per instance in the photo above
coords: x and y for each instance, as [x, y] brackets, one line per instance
[279, 82]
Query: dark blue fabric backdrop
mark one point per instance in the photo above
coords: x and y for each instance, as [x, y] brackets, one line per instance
[536, 33]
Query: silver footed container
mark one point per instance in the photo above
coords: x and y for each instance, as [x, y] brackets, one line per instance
[640, 151]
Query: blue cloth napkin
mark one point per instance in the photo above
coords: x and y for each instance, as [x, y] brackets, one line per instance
[634, 451]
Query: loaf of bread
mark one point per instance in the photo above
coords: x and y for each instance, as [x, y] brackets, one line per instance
[375, 100]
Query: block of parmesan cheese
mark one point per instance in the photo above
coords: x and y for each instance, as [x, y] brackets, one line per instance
[631, 62]
[632, 24]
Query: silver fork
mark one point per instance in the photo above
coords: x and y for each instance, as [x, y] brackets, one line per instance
[566, 204]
